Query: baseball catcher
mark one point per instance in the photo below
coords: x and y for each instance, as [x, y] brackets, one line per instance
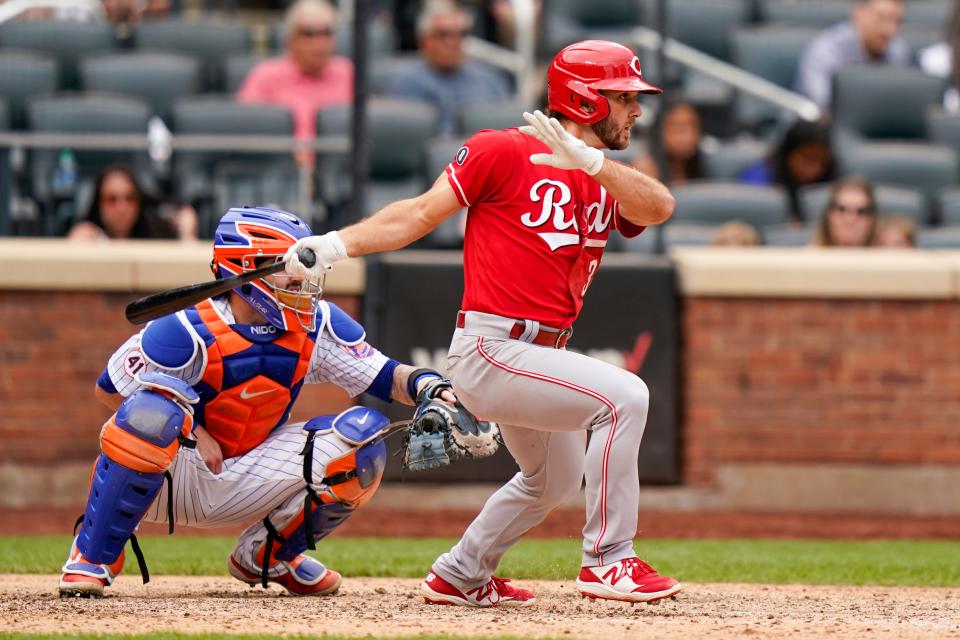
[200, 435]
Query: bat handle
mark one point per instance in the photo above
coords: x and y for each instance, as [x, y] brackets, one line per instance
[307, 257]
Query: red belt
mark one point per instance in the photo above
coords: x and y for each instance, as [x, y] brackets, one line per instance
[544, 337]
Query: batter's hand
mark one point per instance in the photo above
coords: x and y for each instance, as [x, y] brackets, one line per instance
[328, 249]
[209, 450]
[569, 151]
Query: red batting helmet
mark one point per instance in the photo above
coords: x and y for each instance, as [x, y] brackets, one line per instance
[580, 71]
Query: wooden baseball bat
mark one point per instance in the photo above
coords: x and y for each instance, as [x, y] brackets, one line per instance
[160, 304]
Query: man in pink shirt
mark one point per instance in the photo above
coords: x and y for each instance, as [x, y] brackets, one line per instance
[309, 77]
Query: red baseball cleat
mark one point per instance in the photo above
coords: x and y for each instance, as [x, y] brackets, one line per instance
[495, 593]
[630, 579]
[304, 576]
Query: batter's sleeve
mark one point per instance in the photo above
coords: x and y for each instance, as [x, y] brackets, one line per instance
[482, 165]
[626, 228]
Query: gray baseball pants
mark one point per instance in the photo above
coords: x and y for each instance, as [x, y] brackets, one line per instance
[545, 400]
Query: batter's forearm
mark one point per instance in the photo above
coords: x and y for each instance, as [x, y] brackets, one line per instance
[393, 227]
[643, 200]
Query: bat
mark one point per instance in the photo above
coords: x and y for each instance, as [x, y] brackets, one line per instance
[160, 304]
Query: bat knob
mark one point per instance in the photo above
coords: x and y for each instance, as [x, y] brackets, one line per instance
[307, 257]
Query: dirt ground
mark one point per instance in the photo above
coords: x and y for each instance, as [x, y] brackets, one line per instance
[391, 607]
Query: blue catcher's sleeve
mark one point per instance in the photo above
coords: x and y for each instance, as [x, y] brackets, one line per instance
[105, 383]
[383, 383]
[167, 343]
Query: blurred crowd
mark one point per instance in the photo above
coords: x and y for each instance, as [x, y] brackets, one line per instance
[826, 193]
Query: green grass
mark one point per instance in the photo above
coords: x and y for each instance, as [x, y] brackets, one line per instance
[899, 562]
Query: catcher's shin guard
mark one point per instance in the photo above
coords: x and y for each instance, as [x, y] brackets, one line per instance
[138, 444]
[349, 481]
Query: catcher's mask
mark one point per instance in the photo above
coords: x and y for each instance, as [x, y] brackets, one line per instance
[252, 237]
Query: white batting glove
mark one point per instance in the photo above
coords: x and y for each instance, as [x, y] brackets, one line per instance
[328, 248]
[569, 151]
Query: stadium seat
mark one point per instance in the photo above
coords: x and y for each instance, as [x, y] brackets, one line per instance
[680, 234]
[771, 52]
[388, 68]
[925, 167]
[210, 40]
[157, 78]
[6, 173]
[719, 202]
[213, 179]
[705, 25]
[67, 41]
[939, 238]
[787, 236]
[891, 200]
[398, 131]
[496, 115]
[944, 128]
[811, 13]
[883, 101]
[88, 114]
[24, 74]
[647, 243]
[949, 206]
[920, 37]
[729, 159]
[236, 68]
[930, 14]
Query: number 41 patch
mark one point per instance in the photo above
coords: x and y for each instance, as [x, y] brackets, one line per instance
[134, 362]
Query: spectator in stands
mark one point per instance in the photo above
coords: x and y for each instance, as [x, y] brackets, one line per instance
[803, 156]
[943, 60]
[443, 77]
[870, 36]
[850, 219]
[309, 77]
[674, 155]
[895, 232]
[120, 211]
[735, 233]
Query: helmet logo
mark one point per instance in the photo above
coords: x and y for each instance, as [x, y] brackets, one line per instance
[635, 65]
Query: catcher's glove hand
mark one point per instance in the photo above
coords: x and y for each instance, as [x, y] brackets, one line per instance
[441, 433]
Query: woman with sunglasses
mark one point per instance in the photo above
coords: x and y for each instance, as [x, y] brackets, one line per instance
[850, 219]
[121, 211]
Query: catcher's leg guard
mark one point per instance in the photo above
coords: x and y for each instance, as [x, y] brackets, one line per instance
[138, 443]
[349, 481]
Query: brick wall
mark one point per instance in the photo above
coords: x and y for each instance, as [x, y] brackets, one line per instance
[801, 381]
[53, 346]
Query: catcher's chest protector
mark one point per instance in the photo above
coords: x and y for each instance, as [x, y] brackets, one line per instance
[252, 376]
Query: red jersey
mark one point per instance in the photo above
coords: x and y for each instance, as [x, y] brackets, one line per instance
[535, 234]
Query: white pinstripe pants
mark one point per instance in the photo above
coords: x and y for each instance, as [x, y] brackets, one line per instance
[267, 480]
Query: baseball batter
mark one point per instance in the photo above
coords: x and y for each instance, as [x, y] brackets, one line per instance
[541, 201]
[202, 399]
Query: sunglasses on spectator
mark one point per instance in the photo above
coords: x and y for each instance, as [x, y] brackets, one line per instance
[114, 198]
[315, 32]
[447, 34]
[860, 211]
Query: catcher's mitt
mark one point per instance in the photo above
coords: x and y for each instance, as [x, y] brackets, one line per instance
[441, 433]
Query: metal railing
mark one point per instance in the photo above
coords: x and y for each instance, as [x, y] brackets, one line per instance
[519, 62]
[727, 73]
[13, 8]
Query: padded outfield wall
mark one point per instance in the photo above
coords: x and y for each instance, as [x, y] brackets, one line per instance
[806, 380]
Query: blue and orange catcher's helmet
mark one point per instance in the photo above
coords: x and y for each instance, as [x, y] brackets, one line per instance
[250, 237]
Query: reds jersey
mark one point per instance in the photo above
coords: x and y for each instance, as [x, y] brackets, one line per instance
[535, 234]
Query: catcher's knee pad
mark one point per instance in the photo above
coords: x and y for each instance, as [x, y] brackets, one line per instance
[349, 481]
[138, 443]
